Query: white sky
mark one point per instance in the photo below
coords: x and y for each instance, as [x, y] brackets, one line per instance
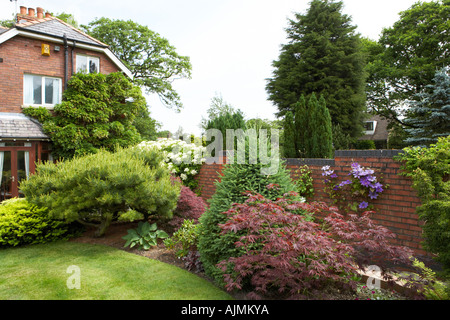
[231, 43]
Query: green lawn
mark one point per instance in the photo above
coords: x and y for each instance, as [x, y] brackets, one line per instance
[39, 272]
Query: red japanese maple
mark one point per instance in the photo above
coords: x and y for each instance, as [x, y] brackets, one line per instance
[286, 251]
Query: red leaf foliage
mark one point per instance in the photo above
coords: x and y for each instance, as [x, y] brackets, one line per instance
[189, 206]
[289, 253]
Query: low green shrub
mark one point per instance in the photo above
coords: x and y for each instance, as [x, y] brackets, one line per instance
[429, 169]
[24, 223]
[184, 239]
[99, 188]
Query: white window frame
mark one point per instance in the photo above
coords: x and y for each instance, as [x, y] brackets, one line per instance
[43, 78]
[88, 59]
[374, 127]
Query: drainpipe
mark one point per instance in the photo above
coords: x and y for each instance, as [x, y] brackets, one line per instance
[73, 48]
[66, 61]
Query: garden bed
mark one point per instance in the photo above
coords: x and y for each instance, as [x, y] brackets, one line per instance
[113, 238]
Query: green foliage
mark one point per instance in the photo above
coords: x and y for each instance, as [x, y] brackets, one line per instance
[309, 130]
[289, 150]
[185, 239]
[95, 113]
[406, 57]
[434, 162]
[304, 181]
[24, 223]
[236, 181]
[145, 236]
[153, 61]
[146, 126]
[429, 118]
[223, 122]
[322, 137]
[341, 140]
[363, 292]
[429, 169]
[434, 289]
[364, 145]
[101, 187]
[324, 55]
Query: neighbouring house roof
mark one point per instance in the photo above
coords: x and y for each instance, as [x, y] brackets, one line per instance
[54, 29]
[380, 131]
[19, 126]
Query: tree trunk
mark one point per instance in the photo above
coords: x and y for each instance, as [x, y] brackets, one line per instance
[104, 224]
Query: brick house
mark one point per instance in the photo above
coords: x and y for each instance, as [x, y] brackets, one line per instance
[38, 55]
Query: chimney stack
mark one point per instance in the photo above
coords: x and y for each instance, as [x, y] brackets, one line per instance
[25, 16]
[31, 12]
[40, 13]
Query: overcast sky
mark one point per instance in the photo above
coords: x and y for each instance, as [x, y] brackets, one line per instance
[231, 43]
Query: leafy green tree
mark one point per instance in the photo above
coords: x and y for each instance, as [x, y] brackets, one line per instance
[429, 118]
[153, 61]
[324, 55]
[218, 106]
[146, 125]
[68, 18]
[97, 111]
[405, 58]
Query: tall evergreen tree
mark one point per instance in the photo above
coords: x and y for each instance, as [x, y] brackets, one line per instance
[302, 127]
[324, 55]
[290, 149]
[322, 138]
[429, 118]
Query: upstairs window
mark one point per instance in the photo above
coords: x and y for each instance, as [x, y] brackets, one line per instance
[88, 64]
[41, 90]
[370, 127]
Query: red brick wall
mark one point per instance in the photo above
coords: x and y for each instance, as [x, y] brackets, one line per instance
[395, 208]
[23, 55]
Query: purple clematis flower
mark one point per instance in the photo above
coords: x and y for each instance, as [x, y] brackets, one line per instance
[363, 205]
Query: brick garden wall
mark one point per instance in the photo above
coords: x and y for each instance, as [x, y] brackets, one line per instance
[394, 209]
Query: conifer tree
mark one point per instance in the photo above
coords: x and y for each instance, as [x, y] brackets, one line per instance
[321, 135]
[237, 179]
[429, 117]
[290, 149]
[324, 55]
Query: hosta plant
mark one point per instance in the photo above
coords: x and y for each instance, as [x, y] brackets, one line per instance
[144, 236]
